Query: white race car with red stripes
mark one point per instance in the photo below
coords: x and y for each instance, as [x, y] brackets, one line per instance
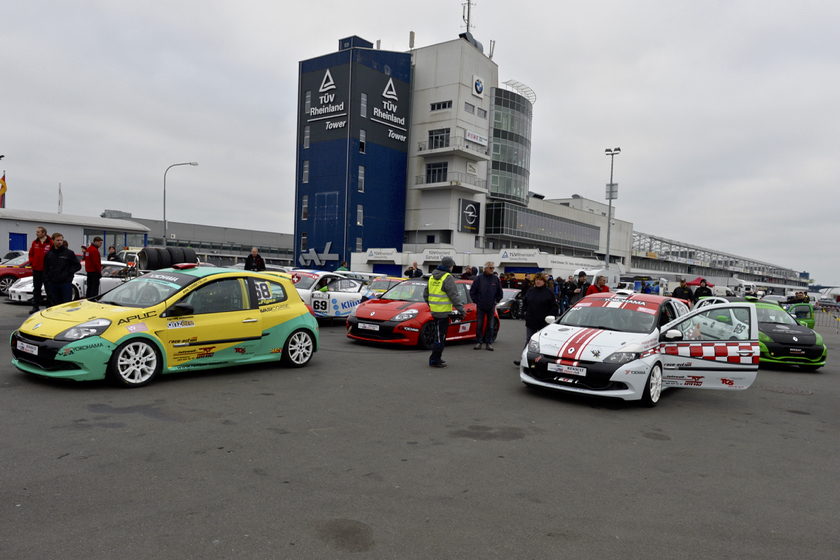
[632, 346]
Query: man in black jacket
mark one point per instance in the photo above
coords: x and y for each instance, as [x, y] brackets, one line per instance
[254, 261]
[486, 291]
[60, 264]
[579, 290]
[683, 292]
[413, 271]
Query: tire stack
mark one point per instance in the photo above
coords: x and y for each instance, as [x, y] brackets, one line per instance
[155, 258]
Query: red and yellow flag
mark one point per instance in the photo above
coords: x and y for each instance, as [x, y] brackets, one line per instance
[3, 191]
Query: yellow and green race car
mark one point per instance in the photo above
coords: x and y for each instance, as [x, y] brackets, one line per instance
[176, 319]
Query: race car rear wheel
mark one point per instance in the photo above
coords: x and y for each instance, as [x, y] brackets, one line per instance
[426, 337]
[298, 349]
[653, 387]
[135, 363]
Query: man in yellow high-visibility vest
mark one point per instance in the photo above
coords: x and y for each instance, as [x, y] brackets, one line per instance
[442, 295]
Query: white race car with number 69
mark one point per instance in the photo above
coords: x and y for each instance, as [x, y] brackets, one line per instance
[341, 296]
[632, 346]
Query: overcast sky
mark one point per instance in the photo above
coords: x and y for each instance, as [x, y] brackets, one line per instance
[725, 111]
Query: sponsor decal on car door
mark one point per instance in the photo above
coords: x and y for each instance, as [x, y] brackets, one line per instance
[707, 358]
[223, 327]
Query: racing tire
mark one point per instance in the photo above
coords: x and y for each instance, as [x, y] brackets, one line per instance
[298, 349]
[653, 387]
[809, 368]
[189, 255]
[176, 255]
[76, 294]
[152, 261]
[135, 363]
[164, 258]
[426, 336]
[6, 283]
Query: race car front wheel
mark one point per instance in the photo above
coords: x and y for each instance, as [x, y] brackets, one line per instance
[426, 338]
[298, 349]
[135, 363]
[653, 387]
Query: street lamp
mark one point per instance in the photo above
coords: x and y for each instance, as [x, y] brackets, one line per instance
[612, 192]
[417, 234]
[164, 193]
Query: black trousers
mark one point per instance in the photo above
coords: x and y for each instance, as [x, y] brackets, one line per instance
[92, 284]
[440, 328]
[485, 326]
[37, 284]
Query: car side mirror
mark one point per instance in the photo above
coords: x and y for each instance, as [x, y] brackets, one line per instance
[673, 335]
[549, 319]
[722, 318]
[180, 309]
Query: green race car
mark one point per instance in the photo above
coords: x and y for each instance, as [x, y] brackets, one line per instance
[784, 339]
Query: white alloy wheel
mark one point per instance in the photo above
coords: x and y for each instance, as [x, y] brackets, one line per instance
[299, 349]
[135, 363]
[653, 387]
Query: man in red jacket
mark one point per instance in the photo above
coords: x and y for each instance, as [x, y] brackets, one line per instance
[41, 245]
[93, 267]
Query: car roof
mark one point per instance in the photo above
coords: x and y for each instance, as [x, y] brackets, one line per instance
[648, 298]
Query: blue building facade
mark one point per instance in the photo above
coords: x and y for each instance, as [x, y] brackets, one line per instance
[352, 144]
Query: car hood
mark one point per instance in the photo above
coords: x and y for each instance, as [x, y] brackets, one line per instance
[385, 310]
[788, 334]
[591, 345]
[55, 320]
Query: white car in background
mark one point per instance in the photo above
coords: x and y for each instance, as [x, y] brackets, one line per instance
[340, 298]
[113, 274]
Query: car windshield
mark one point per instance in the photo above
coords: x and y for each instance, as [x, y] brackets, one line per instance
[17, 261]
[774, 315]
[303, 282]
[406, 291]
[381, 284]
[148, 290]
[509, 294]
[627, 318]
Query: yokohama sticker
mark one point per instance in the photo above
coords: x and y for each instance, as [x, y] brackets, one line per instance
[180, 324]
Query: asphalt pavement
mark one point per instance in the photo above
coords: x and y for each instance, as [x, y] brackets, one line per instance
[368, 453]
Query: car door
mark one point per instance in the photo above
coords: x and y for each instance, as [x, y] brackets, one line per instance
[696, 356]
[223, 324]
[341, 297]
[803, 313]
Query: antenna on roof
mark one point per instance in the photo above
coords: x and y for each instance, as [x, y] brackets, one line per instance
[466, 16]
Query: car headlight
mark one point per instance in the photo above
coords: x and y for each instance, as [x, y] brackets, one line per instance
[91, 328]
[621, 357]
[405, 316]
[534, 344]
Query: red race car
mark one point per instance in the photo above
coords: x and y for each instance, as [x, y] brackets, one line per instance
[401, 316]
[12, 271]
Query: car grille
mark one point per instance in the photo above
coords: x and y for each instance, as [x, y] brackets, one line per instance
[47, 350]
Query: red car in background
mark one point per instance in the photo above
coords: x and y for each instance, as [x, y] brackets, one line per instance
[13, 270]
[401, 316]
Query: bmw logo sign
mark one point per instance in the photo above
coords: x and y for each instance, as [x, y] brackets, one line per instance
[479, 87]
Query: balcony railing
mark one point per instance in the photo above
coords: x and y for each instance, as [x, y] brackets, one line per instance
[450, 177]
[454, 143]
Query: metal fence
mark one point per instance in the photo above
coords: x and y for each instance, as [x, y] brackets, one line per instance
[827, 317]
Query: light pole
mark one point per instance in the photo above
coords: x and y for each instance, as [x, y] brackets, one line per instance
[612, 192]
[417, 234]
[164, 193]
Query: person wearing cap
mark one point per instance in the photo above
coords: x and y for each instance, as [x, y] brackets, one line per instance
[683, 292]
[580, 288]
[703, 290]
[442, 295]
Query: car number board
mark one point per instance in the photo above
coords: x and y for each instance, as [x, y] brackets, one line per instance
[560, 368]
[28, 348]
[368, 327]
